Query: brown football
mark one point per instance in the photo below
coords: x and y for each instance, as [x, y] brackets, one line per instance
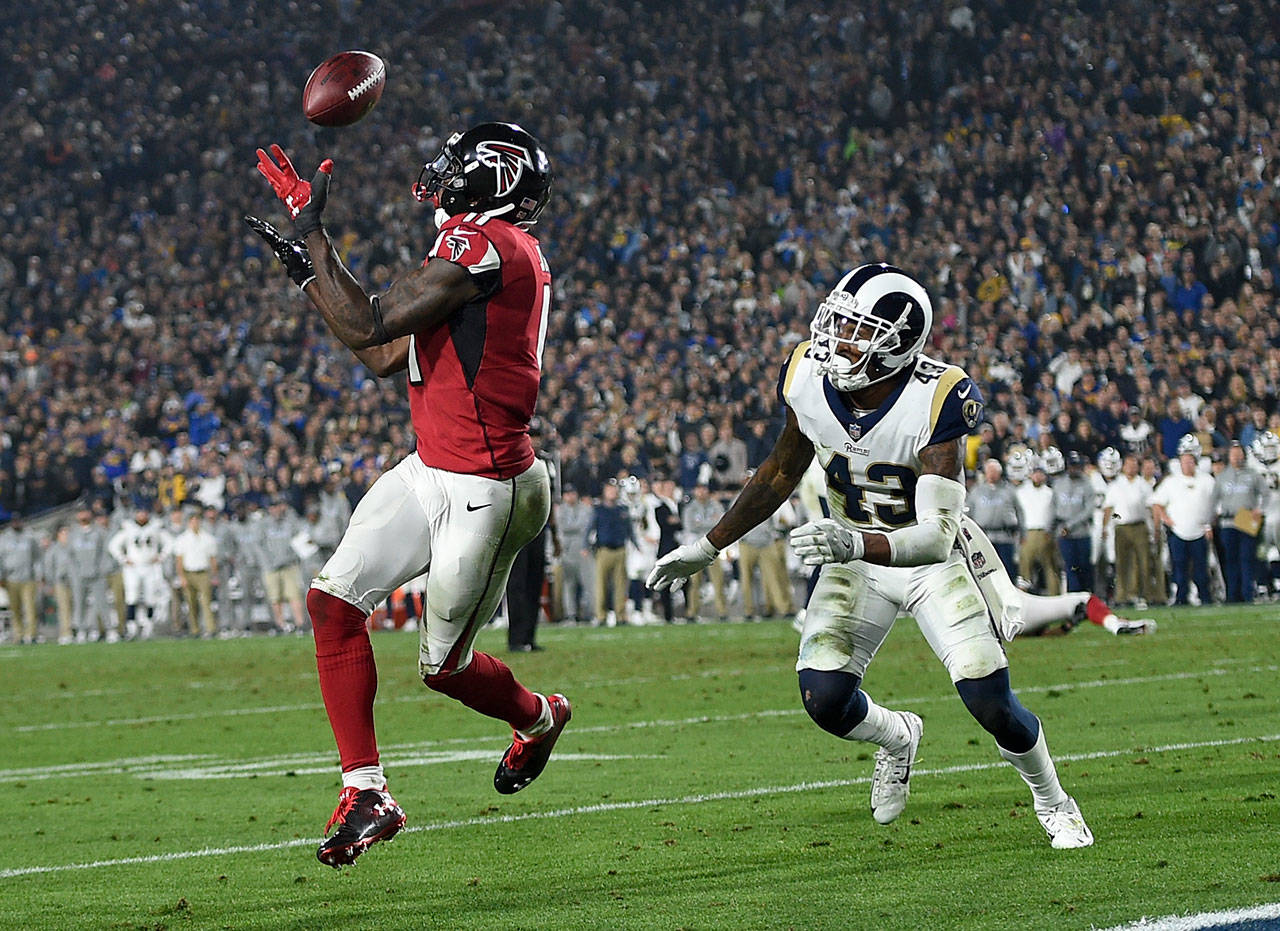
[344, 88]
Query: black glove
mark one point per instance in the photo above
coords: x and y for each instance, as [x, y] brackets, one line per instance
[292, 253]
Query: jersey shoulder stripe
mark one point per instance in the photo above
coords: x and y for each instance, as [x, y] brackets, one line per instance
[789, 368]
[956, 408]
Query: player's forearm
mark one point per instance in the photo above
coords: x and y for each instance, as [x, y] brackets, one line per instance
[940, 502]
[338, 296]
[762, 495]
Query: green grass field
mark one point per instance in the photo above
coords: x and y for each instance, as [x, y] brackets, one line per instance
[185, 784]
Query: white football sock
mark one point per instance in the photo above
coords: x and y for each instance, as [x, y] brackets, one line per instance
[1037, 771]
[1111, 623]
[365, 777]
[542, 725]
[882, 727]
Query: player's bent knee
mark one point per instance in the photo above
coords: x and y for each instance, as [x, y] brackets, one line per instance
[833, 700]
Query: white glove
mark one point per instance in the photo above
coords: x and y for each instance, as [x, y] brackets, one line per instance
[682, 562]
[823, 541]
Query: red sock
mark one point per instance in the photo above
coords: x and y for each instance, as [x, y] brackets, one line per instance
[488, 686]
[348, 676]
[1096, 609]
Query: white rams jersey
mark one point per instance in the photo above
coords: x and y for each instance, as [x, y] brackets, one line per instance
[872, 459]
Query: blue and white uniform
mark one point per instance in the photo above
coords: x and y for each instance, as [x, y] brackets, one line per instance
[872, 463]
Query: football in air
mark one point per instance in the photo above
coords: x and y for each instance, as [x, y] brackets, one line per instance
[344, 88]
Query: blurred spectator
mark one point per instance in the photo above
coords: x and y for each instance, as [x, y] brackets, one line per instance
[610, 532]
[19, 569]
[1183, 503]
[196, 561]
[1125, 508]
[700, 515]
[993, 505]
[1038, 555]
[574, 576]
[1238, 496]
[1073, 510]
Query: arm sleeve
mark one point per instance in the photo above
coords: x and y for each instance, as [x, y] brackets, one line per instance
[939, 504]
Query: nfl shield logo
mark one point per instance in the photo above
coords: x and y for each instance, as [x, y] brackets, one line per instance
[855, 431]
[979, 560]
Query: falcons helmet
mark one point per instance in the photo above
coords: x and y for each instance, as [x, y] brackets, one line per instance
[497, 169]
[879, 310]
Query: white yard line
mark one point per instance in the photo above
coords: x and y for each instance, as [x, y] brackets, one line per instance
[605, 807]
[1204, 919]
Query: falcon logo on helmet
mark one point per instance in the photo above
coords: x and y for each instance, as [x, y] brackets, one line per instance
[881, 312]
[508, 162]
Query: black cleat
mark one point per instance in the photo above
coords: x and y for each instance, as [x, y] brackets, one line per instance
[525, 760]
[364, 817]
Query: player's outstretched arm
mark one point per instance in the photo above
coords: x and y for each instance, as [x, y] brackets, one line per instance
[771, 485]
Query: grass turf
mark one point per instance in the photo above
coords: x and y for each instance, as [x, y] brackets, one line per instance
[183, 784]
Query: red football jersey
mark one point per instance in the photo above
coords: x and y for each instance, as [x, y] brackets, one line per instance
[473, 380]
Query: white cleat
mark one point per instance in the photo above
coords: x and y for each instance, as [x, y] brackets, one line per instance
[891, 781]
[1143, 625]
[1065, 826]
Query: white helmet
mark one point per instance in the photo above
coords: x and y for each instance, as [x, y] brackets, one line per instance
[1053, 460]
[1018, 465]
[1109, 462]
[1189, 445]
[1266, 448]
[882, 312]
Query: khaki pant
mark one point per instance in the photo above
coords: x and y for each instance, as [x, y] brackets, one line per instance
[199, 592]
[693, 590]
[116, 582]
[22, 608]
[1133, 561]
[62, 602]
[773, 578]
[283, 584]
[1039, 552]
[611, 566]
[1157, 581]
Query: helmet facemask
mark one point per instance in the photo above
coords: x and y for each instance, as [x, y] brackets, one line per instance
[841, 323]
[440, 182]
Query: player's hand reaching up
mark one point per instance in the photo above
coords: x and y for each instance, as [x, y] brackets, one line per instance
[292, 253]
[304, 200]
[682, 562]
[823, 541]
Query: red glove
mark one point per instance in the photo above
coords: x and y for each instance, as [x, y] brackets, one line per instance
[304, 200]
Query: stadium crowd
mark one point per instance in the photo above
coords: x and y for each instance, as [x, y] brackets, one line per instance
[1094, 208]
